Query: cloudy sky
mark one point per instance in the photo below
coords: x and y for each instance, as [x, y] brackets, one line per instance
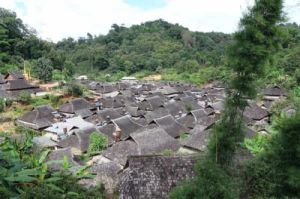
[57, 19]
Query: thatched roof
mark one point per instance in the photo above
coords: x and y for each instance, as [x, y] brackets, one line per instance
[127, 126]
[151, 103]
[169, 124]
[190, 103]
[255, 112]
[167, 90]
[187, 121]
[14, 75]
[60, 154]
[108, 114]
[154, 141]
[40, 117]
[80, 140]
[274, 91]
[154, 176]
[175, 108]
[18, 84]
[158, 113]
[76, 105]
[41, 142]
[106, 173]
[197, 140]
[2, 80]
[120, 151]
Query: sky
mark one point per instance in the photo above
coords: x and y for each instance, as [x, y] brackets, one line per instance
[58, 19]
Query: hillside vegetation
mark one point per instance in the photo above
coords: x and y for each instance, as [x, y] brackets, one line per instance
[149, 48]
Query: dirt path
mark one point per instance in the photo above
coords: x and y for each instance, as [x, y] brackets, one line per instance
[153, 78]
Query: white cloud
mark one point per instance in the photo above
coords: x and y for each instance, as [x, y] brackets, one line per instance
[56, 19]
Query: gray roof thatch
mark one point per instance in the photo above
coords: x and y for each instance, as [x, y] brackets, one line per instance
[167, 90]
[190, 103]
[59, 155]
[106, 173]
[14, 75]
[39, 118]
[80, 140]
[255, 112]
[169, 124]
[76, 105]
[127, 126]
[154, 176]
[120, 151]
[133, 111]
[197, 140]
[154, 141]
[175, 108]
[42, 142]
[18, 84]
[108, 114]
[158, 113]
[2, 80]
[151, 103]
[274, 91]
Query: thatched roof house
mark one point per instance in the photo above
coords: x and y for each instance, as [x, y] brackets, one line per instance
[154, 176]
[39, 118]
[154, 141]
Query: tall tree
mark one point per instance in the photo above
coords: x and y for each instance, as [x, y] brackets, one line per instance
[43, 69]
[254, 43]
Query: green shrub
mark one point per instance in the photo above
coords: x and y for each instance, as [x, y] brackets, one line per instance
[275, 173]
[55, 100]
[75, 90]
[188, 107]
[66, 188]
[167, 152]
[297, 76]
[25, 97]
[256, 145]
[43, 69]
[26, 131]
[211, 182]
[25, 175]
[97, 142]
[2, 105]
[184, 136]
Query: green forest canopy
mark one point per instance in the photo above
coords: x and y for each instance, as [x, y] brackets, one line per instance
[154, 46]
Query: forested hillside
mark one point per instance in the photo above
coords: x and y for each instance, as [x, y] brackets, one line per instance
[151, 47]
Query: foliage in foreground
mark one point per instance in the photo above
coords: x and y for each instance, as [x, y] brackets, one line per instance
[25, 175]
[249, 54]
[211, 182]
[97, 142]
[275, 173]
